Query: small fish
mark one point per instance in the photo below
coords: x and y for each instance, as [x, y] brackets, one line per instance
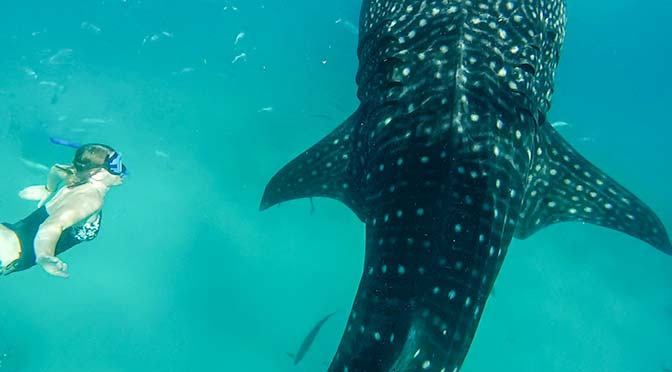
[239, 57]
[90, 27]
[347, 25]
[322, 116]
[34, 165]
[239, 37]
[266, 109]
[185, 70]
[94, 121]
[150, 38]
[161, 154]
[166, 34]
[308, 340]
[560, 124]
[48, 83]
[30, 72]
[62, 57]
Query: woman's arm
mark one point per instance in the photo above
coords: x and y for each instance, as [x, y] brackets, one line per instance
[57, 174]
[79, 208]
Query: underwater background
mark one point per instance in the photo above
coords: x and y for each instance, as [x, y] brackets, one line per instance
[207, 99]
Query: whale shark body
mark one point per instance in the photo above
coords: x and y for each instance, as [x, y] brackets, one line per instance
[447, 158]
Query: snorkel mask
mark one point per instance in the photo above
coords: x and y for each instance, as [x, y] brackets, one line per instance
[115, 166]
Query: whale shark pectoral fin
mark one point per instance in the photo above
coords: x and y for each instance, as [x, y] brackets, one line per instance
[324, 170]
[563, 186]
[290, 355]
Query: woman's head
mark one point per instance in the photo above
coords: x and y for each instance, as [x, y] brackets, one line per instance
[91, 158]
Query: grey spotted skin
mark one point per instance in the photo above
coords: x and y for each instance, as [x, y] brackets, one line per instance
[447, 158]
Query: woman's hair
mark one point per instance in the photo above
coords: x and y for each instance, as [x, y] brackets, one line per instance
[88, 158]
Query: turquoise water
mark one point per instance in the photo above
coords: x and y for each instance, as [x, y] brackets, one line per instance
[187, 274]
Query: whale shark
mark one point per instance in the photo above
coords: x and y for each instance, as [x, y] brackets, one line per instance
[447, 158]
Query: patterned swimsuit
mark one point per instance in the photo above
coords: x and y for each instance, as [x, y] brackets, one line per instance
[26, 229]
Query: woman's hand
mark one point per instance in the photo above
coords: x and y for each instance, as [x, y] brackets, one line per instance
[38, 192]
[54, 266]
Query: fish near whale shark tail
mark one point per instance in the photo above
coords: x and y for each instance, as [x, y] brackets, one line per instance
[327, 169]
[308, 340]
[291, 356]
[564, 186]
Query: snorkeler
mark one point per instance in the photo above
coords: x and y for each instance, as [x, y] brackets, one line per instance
[68, 218]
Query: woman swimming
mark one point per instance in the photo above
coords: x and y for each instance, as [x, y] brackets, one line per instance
[68, 218]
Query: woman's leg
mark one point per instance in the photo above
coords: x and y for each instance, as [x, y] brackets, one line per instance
[10, 248]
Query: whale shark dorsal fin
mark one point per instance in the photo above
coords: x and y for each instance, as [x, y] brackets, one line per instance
[563, 186]
[327, 169]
